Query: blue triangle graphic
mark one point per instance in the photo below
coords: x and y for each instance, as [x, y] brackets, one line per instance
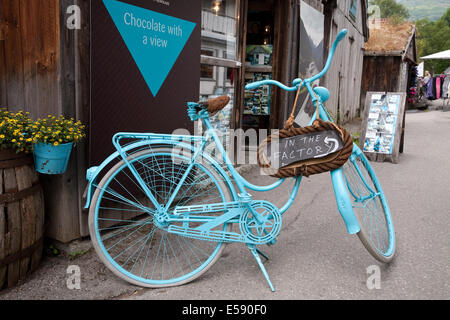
[155, 40]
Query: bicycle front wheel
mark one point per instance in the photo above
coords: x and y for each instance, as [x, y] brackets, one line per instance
[127, 238]
[370, 207]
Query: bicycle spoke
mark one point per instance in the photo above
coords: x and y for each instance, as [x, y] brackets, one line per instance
[139, 246]
[367, 203]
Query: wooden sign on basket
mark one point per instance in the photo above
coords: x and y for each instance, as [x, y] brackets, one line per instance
[315, 145]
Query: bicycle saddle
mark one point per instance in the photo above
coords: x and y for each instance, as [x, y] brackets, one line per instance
[215, 105]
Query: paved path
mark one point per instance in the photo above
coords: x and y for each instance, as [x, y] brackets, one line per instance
[314, 258]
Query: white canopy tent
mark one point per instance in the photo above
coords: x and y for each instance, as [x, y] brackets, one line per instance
[438, 56]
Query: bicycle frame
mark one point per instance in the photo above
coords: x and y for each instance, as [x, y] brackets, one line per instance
[342, 199]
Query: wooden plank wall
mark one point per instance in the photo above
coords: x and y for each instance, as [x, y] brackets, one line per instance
[42, 64]
[286, 58]
[29, 56]
[82, 54]
[344, 76]
[381, 73]
[283, 62]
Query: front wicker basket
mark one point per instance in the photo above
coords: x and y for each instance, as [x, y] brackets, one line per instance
[310, 166]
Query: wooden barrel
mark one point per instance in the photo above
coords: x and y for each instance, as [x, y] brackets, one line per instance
[21, 217]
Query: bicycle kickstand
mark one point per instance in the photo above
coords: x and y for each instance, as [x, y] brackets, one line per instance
[256, 253]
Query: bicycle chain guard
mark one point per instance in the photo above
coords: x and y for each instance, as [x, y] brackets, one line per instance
[261, 224]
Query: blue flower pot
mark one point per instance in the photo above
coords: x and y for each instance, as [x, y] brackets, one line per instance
[50, 159]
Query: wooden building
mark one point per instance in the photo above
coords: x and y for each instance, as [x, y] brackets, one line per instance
[389, 58]
[344, 77]
[45, 69]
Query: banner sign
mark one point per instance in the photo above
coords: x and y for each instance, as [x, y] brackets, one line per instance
[145, 66]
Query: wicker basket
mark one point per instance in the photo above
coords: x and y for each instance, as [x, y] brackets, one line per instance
[309, 166]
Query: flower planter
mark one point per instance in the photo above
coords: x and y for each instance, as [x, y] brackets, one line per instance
[50, 159]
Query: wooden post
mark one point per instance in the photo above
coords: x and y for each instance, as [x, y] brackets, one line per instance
[83, 104]
[2, 236]
[62, 192]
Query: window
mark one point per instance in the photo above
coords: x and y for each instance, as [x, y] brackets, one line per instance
[353, 9]
[218, 58]
[207, 71]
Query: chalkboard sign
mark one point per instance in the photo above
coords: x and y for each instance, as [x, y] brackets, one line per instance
[286, 151]
[382, 126]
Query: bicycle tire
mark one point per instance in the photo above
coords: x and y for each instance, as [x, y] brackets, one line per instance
[370, 207]
[207, 253]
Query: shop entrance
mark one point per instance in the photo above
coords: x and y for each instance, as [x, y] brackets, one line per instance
[259, 57]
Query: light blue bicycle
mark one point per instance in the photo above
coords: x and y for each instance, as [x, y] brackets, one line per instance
[165, 209]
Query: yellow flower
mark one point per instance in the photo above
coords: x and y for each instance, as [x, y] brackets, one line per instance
[2, 136]
[56, 143]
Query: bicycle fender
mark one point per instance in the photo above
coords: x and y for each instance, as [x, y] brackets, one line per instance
[343, 202]
[93, 172]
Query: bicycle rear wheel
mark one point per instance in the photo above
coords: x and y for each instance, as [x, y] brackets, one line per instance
[370, 207]
[135, 246]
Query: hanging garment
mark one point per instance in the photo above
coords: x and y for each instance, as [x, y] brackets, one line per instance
[445, 86]
[434, 89]
[429, 88]
[448, 90]
[438, 87]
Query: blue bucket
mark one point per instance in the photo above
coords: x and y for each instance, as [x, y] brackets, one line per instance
[50, 159]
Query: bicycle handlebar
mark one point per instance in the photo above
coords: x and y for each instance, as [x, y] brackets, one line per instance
[256, 84]
[297, 81]
[339, 37]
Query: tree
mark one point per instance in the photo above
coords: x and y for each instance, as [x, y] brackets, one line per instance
[433, 37]
[391, 9]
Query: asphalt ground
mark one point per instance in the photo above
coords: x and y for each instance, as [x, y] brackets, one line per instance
[314, 257]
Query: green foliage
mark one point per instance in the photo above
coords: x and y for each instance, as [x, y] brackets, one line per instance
[52, 250]
[391, 9]
[421, 9]
[19, 132]
[433, 37]
[77, 254]
[15, 131]
[355, 137]
[57, 130]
